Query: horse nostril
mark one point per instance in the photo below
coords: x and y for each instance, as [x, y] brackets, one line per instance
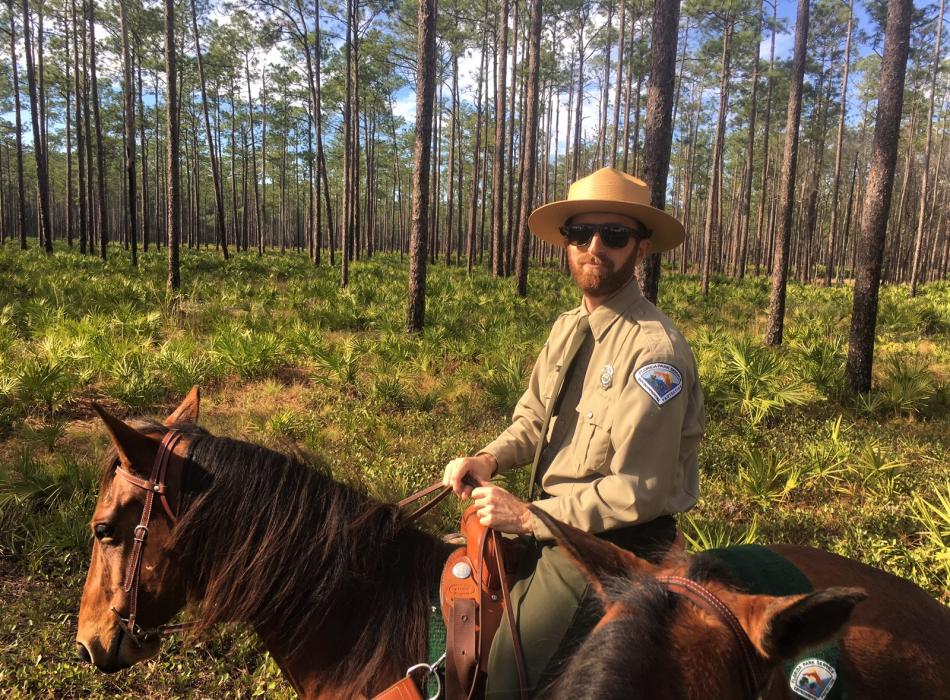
[82, 653]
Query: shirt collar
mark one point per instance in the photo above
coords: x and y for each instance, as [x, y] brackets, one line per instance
[604, 316]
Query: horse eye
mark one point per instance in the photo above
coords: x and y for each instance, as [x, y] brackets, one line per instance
[102, 530]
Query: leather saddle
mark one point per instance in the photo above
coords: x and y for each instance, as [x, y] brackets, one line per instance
[474, 596]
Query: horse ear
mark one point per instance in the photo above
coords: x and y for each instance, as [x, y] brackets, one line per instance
[136, 450]
[187, 411]
[598, 559]
[783, 627]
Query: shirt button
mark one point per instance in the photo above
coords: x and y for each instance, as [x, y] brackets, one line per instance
[590, 414]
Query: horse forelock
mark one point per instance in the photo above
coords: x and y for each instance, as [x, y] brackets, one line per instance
[625, 659]
[280, 546]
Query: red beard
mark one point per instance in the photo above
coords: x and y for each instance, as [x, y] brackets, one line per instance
[603, 279]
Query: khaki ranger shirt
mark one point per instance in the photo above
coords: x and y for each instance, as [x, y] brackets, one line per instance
[639, 420]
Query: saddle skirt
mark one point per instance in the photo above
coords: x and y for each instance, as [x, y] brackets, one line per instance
[472, 595]
[473, 602]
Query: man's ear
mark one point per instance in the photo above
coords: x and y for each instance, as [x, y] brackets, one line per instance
[187, 411]
[136, 450]
[646, 245]
[782, 627]
[598, 559]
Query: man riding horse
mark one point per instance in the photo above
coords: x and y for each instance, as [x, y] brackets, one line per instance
[610, 422]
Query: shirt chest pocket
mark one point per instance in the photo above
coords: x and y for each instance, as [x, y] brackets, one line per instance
[592, 448]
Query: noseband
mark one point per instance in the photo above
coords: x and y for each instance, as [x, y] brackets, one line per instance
[703, 598]
[155, 484]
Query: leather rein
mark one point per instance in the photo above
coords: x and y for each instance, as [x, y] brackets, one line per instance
[156, 484]
[703, 598]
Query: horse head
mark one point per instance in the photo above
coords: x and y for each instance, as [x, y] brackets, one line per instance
[133, 584]
[679, 630]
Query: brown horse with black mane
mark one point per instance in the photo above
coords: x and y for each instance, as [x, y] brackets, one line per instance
[338, 585]
[682, 630]
[333, 583]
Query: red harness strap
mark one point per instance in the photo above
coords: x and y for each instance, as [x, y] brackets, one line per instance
[700, 596]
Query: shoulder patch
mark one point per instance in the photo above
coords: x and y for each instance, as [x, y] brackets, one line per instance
[660, 380]
[813, 679]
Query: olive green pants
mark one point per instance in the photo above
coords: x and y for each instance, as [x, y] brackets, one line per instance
[555, 609]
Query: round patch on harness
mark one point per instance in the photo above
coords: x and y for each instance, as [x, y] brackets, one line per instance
[812, 679]
[461, 570]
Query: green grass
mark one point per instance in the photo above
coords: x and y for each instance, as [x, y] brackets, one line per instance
[288, 360]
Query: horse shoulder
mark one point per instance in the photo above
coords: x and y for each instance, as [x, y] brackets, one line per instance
[898, 638]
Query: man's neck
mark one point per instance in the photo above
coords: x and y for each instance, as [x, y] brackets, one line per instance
[593, 302]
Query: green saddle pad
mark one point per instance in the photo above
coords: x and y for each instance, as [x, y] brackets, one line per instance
[814, 674]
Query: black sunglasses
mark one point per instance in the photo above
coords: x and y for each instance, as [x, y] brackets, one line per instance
[611, 235]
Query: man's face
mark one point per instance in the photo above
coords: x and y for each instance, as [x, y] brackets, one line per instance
[600, 271]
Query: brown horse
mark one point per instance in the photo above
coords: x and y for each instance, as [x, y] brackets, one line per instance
[663, 638]
[338, 586]
[333, 582]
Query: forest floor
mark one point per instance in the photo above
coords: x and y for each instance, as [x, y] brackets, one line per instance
[284, 358]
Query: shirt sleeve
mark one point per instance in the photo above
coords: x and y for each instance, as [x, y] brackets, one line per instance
[517, 444]
[643, 471]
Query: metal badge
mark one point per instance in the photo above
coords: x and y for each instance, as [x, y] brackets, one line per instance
[461, 570]
[606, 377]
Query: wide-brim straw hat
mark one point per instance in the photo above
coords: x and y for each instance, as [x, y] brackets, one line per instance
[608, 190]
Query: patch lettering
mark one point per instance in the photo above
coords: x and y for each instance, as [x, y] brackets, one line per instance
[812, 679]
[660, 380]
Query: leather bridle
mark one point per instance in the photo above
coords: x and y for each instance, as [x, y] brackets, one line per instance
[703, 598]
[156, 484]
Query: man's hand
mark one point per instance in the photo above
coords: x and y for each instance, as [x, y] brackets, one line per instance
[500, 510]
[482, 467]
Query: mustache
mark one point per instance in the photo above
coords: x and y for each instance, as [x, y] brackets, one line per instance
[585, 258]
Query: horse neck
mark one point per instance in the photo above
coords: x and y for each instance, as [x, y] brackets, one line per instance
[333, 581]
[308, 667]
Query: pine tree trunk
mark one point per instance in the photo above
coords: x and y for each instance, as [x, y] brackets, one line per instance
[212, 154]
[658, 139]
[776, 322]
[760, 240]
[70, 221]
[473, 202]
[877, 195]
[44, 232]
[925, 174]
[128, 102]
[600, 158]
[173, 126]
[712, 235]
[839, 142]
[425, 93]
[21, 185]
[746, 197]
[102, 220]
[529, 147]
[616, 116]
[498, 158]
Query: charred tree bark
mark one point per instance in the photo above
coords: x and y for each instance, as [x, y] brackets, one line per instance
[425, 94]
[658, 139]
[877, 195]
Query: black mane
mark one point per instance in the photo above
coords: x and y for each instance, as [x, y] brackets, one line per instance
[278, 545]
